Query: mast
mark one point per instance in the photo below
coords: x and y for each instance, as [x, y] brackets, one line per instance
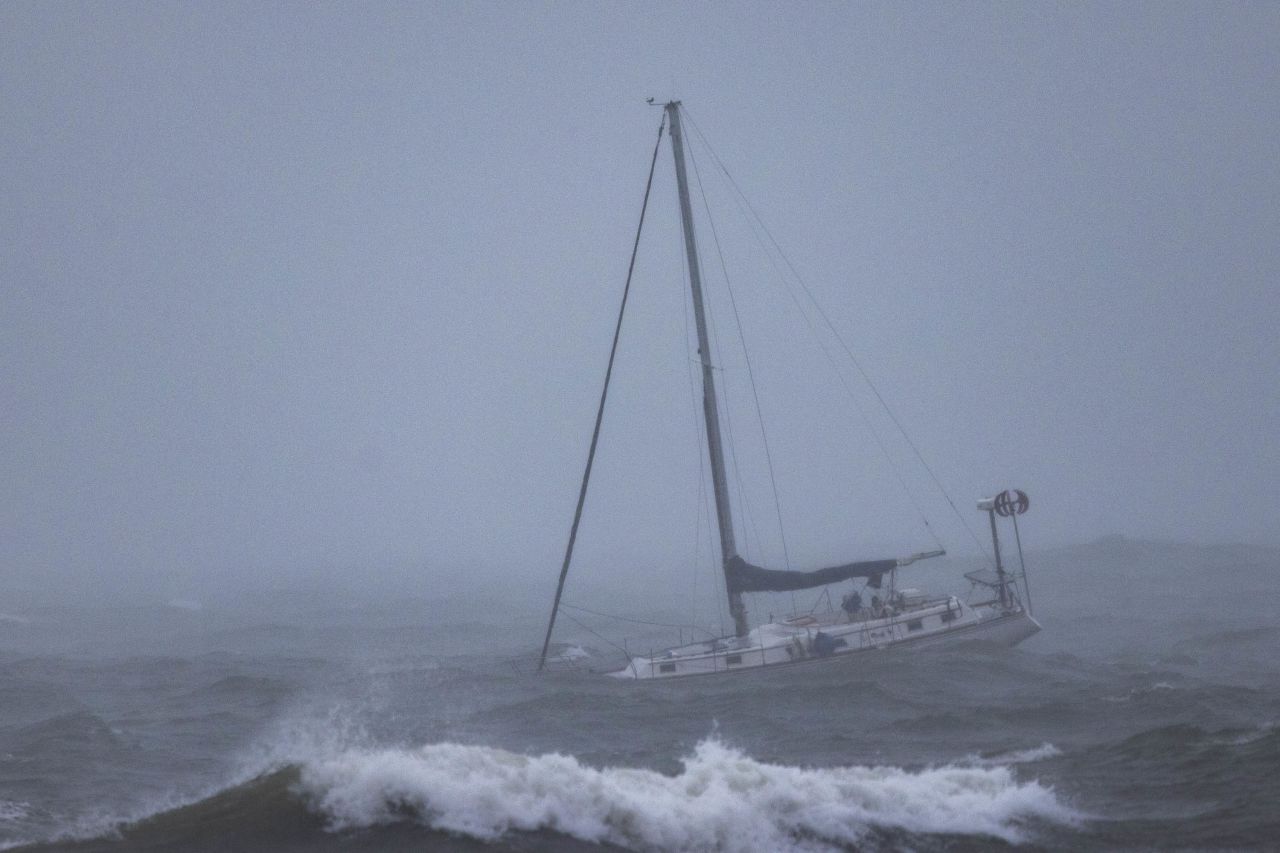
[710, 412]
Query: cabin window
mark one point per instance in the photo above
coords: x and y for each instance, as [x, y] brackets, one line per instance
[948, 616]
[915, 625]
[666, 667]
[732, 659]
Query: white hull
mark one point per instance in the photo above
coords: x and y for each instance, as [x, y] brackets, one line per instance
[837, 637]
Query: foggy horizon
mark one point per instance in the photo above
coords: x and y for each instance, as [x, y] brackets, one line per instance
[294, 290]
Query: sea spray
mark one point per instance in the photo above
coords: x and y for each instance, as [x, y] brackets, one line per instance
[721, 800]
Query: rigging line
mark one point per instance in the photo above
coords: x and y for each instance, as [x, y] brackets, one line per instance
[884, 450]
[749, 528]
[697, 541]
[817, 602]
[751, 376]
[697, 550]
[604, 394]
[848, 352]
[598, 636]
[637, 621]
[748, 521]
[866, 422]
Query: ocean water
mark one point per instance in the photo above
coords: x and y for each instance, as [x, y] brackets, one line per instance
[1146, 715]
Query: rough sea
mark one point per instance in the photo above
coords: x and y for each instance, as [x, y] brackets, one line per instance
[1144, 716]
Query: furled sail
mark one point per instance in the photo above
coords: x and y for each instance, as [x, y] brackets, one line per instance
[744, 577]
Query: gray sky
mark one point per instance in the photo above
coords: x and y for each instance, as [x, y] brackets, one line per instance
[291, 286]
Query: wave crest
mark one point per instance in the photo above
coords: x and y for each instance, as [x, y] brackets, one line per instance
[721, 800]
[1017, 756]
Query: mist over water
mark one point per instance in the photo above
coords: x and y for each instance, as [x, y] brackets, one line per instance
[378, 723]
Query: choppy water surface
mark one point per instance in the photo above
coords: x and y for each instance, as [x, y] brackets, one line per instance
[1144, 716]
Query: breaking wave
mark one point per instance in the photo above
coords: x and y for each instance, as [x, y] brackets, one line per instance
[721, 800]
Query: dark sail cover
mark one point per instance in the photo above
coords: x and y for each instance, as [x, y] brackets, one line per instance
[744, 577]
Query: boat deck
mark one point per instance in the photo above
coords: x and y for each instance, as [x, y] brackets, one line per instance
[830, 635]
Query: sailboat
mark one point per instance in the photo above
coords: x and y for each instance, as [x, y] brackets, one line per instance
[897, 618]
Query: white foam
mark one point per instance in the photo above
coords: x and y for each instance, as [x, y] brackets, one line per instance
[12, 810]
[1018, 756]
[721, 800]
[1159, 686]
[572, 653]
